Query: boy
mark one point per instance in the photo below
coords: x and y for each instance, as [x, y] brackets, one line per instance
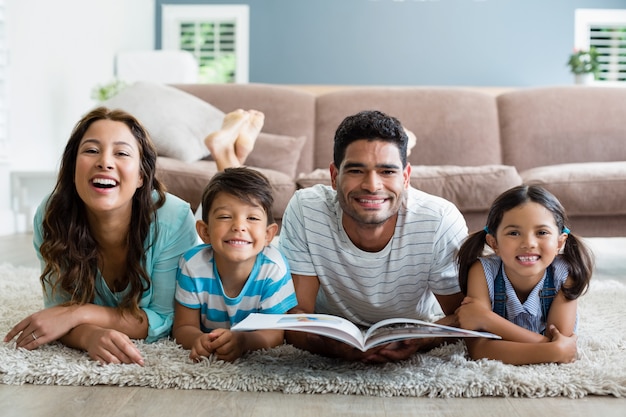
[235, 272]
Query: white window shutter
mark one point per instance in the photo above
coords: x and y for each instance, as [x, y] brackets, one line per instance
[605, 30]
[217, 36]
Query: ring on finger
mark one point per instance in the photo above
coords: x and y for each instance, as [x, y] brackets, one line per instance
[34, 336]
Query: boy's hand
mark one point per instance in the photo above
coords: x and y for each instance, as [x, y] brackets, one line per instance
[201, 347]
[223, 343]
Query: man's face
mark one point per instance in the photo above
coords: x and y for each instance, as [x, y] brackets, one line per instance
[370, 182]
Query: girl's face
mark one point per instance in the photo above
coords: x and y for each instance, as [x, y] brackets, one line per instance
[527, 240]
[108, 167]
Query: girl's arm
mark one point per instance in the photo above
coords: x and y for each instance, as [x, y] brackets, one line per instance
[476, 312]
[519, 346]
[561, 349]
[563, 312]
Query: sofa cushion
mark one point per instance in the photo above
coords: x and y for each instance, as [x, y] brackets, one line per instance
[187, 181]
[590, 188]
[177, 121]
[277, 152]
[469, 188]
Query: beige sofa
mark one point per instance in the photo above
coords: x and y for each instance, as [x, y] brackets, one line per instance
[471, 145]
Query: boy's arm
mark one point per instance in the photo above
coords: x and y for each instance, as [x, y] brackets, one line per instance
[186, 327]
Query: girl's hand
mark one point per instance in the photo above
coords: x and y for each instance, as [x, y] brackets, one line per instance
[472, 315]
[42, 327]
[565, 346]
[110, 346]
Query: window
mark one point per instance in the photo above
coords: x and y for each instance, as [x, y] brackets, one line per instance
[217, 35]
[605, 30]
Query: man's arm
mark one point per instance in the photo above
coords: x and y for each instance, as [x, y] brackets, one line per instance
[307, 288]
[449, 304]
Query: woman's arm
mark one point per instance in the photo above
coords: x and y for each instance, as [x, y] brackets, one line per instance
[174, 239]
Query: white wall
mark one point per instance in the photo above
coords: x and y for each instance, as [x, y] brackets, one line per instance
[58, 51]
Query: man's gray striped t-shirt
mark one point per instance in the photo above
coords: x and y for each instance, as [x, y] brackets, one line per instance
[365, 287]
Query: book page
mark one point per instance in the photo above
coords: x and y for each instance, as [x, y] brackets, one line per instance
[326, 325]
[390, 330]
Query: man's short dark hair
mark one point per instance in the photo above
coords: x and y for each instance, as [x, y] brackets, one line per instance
[369, 125]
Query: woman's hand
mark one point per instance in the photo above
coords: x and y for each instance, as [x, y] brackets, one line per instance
[42, 327]
[109, 346]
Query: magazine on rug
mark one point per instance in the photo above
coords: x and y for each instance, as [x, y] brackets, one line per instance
[384, 331]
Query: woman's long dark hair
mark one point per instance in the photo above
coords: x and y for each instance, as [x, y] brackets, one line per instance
[69, 250]
[576, 254]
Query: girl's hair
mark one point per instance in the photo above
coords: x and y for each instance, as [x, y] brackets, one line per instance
[69, 250]
[246, 184]
[576, 254]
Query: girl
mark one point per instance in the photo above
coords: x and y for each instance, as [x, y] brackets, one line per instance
[525, 291]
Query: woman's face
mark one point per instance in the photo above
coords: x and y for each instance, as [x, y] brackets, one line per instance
[108, 167]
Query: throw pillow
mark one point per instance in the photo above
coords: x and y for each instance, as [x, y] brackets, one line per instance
[177, 121]
[277, 152]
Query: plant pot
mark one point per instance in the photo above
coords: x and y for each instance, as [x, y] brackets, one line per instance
[584, 78]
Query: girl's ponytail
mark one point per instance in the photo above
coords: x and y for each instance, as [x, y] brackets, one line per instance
[471, 249]
[581, 263]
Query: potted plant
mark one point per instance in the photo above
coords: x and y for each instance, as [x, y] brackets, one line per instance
[104, 92]
[584, 65]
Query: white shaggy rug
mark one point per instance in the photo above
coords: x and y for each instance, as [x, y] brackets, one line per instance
[443, 372]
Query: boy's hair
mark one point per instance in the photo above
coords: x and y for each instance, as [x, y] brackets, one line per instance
[244, 183]
[369, 125]
[576, 254]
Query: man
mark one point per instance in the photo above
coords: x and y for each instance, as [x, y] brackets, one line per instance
[371, 247]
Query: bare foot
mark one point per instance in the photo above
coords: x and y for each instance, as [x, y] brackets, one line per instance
[226, 136]
[248, 134]
[221, 144]
[412, 141]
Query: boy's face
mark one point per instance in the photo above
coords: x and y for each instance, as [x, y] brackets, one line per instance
[237, 230]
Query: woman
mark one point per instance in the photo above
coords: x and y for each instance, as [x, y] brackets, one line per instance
[109, 238]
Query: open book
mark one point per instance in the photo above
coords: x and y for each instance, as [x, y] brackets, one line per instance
[384, 331]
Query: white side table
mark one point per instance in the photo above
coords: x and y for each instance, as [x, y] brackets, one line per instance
[28, 188]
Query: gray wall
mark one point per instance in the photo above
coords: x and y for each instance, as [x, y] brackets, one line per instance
[412, 42]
